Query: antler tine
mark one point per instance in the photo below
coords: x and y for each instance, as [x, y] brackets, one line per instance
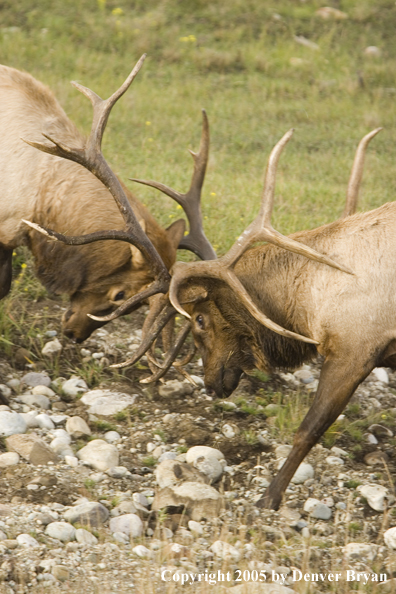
[357, 174]
[91, 157]
[163, 318]
[259, 230]
[195, 241]
[170, 355]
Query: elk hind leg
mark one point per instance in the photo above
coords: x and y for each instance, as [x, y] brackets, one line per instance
[337, 383]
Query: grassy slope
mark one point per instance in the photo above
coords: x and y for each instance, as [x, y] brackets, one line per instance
[233, 58]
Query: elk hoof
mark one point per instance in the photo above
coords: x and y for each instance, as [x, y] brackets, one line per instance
[269, 502]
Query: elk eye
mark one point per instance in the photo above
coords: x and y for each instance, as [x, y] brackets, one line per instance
[120, 295]
[200, 322]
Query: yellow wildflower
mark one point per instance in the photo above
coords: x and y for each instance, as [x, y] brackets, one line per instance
[213, 193]
[148, 123]
[117, 11]
[24, 265]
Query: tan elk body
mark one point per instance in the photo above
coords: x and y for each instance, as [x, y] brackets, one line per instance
[63, 195]
[331, 290]
[352, 317]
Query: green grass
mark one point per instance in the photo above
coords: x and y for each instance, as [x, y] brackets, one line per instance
[234, 59]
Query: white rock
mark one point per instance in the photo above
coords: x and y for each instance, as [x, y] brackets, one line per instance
[37, 400]
[112, 436]
[3, 535]
[228, 431]
[11, 423]
[310, 504]
[99, 454]
[118, 472]
[142, 552]
[106, 402]
[375, 495]
[77, 427]
[140, 498]
[198, 451]
[121, 537]
[198, 380]
[90, 513]
[61, 531]
[381, 374]
[304, 472]
[58, 419]
[175, 389]
[150, 447]
[373, 51]
[25, 540]
[71, 461]
[43, 390]
[306, 42]
[5, 390]
[209, 466]
[225, 551]
[195, 527]
[338, 451]
[390, 538]
[30, 419]
[173, 472]
[8, 459]
[45, 422]
[59, 445]
[334, 461]
[74, 386]
[200, 500]
[85, 537]
[129, 524]
[282, 451]
[51, 348]
[167, 456]
[360, 551]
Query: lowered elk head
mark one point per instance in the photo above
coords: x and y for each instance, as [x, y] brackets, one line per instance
[135, 266]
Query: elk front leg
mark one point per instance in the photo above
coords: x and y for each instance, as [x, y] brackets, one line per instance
[5, 271]
[337, 383]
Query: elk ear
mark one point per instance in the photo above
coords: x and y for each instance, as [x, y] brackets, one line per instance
[137, 256]
[192, 295]
[175, 232]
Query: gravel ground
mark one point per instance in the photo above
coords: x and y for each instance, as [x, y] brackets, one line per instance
[106, 488]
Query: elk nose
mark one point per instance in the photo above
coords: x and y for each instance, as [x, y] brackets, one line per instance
[68, 333]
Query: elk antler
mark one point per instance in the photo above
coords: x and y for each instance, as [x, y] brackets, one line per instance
[196, 240]
[260, 230]
[357, 174]
[91, 157]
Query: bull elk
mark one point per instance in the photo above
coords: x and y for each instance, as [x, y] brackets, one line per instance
[62, 195]
[329, 290]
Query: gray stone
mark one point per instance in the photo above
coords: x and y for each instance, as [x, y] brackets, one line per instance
[172, 472]
[37, 400]
[199, 500]
[375, 495]
[36, 379]
[226, 551]
[195, 527]
[60, 573]
[11, 423]
[106, 402]
[91, 514]
[74, 386]
[25, 540]
[129, 524]
[45, 422]
[41, 453]
[61, 531]
[22, 444]
[8, 459]
[43, 391]
[77, 427]
[358, 551]
[99, 454]
[167, 456]
[175, 389]
[112, 436]
[118, 472]
[390, 538]
[85, 537]
[142, 552]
